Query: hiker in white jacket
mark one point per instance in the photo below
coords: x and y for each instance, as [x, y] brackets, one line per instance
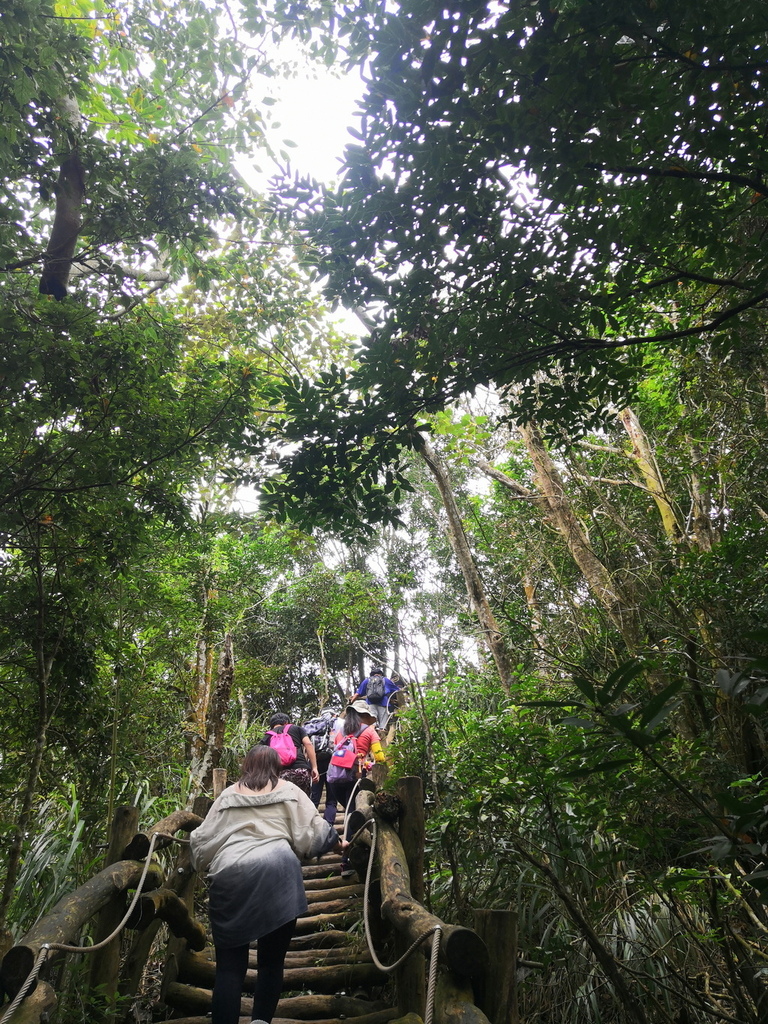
[250, 844]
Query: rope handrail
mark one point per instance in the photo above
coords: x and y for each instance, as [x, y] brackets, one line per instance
[435, 930]
[48, 947]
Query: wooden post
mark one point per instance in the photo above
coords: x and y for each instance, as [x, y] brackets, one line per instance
[219, 781]
[411, 791]
[411, 975]
[185, 882]
[105, 963]
[181, 879]
[498, 929]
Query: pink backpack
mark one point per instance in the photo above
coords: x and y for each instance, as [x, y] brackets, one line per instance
[283, 744]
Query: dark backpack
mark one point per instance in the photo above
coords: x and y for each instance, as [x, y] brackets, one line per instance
[319, 731]
[374, 691]
[283, 743]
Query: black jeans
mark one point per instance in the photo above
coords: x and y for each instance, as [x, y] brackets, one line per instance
[330, 803]
[231, 965]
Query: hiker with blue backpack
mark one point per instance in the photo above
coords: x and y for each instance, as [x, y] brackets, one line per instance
[377, 690]
[298, 761]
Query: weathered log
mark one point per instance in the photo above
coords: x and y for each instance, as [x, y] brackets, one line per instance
[35, 1005]
[304, 925]
[409, 1018]
[65, 922]
[354, 951]
[200, 971]
[325, 869]
[330, 884]
[497, 991]
[339, 892]
[324, 957]
[198, 1001]
[164, 905]
[322, 940]
[454, 1002]
[184, 821]
[461, 949]
[335, 907]
[379, 1017]
[410, 976]
[311, 1007]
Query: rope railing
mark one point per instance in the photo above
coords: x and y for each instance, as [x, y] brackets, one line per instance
[435, 930]
[460, 949]
[49, 947]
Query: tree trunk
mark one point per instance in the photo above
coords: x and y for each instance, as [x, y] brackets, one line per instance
[463, 553]
[70, 193]
[562, 515]
[209, 754]
[648, 468]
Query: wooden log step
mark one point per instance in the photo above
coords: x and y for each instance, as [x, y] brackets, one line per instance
[318, 922]
[325, 957]
[378, 1017]
[329, 882]
[335, 907]
[326, 869]
[198, 971]
[190, 962]
[338, 892]
[197, 1001]
[322, 940]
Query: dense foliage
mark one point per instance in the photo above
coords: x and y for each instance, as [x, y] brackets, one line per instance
[540, 192]
[536, 488]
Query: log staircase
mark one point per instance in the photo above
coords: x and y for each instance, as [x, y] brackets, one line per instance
[330, 975]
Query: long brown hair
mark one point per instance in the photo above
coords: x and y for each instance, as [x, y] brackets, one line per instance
[261, 767]
[353, 723]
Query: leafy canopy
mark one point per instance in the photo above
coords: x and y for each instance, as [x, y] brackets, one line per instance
[533, 183]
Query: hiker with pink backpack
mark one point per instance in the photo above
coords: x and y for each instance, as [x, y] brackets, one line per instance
[298, 761]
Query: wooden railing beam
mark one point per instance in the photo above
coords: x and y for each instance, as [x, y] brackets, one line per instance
[462, 950]
[179, 821]
[65, 922]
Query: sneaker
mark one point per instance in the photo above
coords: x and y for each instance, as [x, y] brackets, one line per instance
[347, 872]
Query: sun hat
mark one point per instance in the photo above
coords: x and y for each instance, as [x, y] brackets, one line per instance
[361, 707]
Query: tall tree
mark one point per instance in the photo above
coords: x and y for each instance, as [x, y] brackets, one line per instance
[571, 181]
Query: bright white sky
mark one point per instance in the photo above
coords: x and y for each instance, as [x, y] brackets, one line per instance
[314, 111]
